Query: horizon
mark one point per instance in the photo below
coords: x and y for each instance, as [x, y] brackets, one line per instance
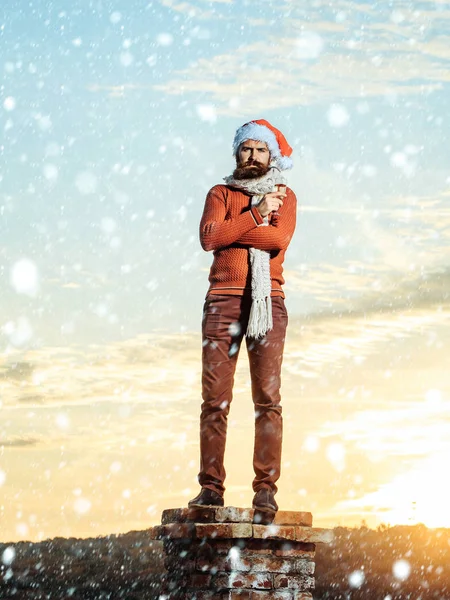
[117, 119]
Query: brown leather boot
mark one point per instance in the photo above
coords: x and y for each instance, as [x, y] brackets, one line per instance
[206, 498]
[265, 506]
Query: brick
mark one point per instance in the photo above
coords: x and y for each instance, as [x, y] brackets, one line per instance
[172, 515]
[177, 530]
[232, 514]
[220, 514]
[296, 549]
[180, 566]
[286, 532]
[278, 547]
[255, 545]
[154, 533]
[273, 595]
[204, 595]
[189, 515]
[315, 535]
[301, 583]
[226, 564]
[291, 566]
[280, 595]
[199, 580]
[239, 595]
[255, 563]
[288, 517]
[239, 580]
[222, 545]
[223, 530]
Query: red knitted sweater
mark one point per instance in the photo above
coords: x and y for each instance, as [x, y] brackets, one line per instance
[229, 226]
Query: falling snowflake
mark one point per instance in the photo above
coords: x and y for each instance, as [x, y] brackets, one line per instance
[207, 112]
[44, 122]
[108, 225]
[24, 277]
[433, 396]
[234, 348]
[86, 182]
[22, 530]
[397, 17]
[82, 506]
[115, 17]
[401, 569]
[337, 115]
[18, 333]
[234, 328]
[356, 579]
[309, 45]
[126, 59]
[50, 172]
[164, 39]
[311, 443]
[399, 159]
[62, 421]
[9, 103]
[8, 556]
[336, 455]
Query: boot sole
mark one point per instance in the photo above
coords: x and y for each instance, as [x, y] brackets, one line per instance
[263, 516]
[205, 505]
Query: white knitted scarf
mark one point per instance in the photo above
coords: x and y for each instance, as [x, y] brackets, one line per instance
[260, 319]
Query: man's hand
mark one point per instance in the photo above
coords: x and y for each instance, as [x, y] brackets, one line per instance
[270, 203]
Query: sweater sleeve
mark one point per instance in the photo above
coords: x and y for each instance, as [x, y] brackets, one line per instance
[274, 237]
[216, 231]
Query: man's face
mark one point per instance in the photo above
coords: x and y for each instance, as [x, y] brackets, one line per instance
[253, 160]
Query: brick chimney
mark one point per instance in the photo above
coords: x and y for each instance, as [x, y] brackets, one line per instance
[224, 553]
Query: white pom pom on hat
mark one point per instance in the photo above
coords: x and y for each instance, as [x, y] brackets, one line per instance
[261, 130]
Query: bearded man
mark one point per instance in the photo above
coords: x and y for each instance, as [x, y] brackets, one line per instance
[248, 224]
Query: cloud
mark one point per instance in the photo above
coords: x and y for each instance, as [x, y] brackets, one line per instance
[35, 399]
[401, 500]
[17, 371]
[123, 417]
[160, 370]
[389, 54]
[17, 442]
[232, 79]
[118, 90]
[134, 371]
[196, 11]
[368, 293]
[351, 243]
[310, 59]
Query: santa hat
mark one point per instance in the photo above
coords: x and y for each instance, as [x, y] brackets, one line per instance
[262, 131]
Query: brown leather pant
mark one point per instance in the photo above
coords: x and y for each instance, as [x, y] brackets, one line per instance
[224, 324]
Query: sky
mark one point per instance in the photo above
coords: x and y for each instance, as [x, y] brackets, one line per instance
[116, 118]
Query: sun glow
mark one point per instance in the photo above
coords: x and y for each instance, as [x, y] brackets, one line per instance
[418, 496]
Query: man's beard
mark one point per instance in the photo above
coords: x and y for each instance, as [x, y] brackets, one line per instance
[250, 170]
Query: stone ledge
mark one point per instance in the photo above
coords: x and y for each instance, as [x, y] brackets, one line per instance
[307, 535]
[314, 535]
[231, 514]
